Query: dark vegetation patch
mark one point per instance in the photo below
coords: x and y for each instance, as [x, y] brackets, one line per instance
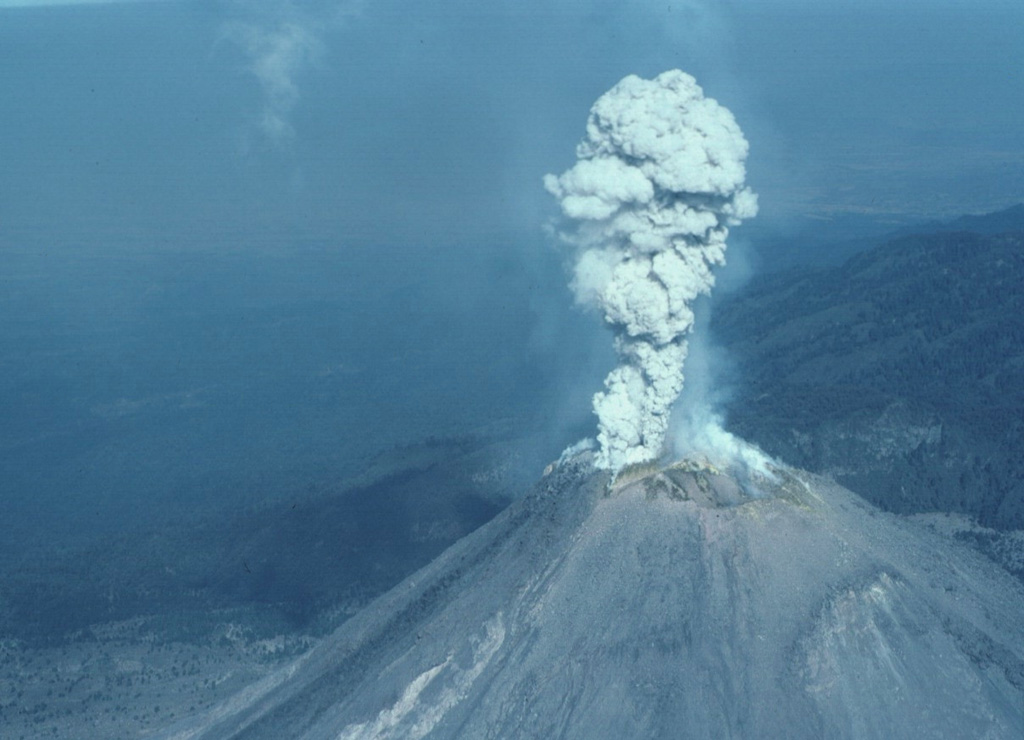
[900, 373]
[301, 564]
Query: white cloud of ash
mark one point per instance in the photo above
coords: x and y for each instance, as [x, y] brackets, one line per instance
[658, 181]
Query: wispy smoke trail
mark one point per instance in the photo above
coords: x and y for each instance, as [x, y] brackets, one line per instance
[280, 40]
[697, 425]
[658, 181]
[277, 53]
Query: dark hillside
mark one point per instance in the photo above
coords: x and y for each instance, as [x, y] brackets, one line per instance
[901, 373]
[302, 564]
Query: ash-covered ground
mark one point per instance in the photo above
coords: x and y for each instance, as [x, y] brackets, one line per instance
[677, 600]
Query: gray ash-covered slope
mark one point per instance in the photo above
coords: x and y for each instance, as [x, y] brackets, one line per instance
[900, 373]
[674, 605]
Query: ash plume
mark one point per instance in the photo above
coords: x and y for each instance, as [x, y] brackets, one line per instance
[658, 181]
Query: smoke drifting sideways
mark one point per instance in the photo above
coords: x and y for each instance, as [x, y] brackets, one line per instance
[658, 181]
[280, 40]
[697, 432]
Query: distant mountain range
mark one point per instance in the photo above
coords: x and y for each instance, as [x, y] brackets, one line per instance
[1009, 219]
[900, 373]
[815, 244]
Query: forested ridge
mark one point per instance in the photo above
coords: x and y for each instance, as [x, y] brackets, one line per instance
[900, 372]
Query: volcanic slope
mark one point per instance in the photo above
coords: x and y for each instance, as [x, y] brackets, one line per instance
[682, 603]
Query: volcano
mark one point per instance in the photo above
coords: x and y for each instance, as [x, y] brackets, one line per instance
[678, 601]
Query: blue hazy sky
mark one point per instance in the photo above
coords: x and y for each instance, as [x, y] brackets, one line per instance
[242, 243]
[382, 121]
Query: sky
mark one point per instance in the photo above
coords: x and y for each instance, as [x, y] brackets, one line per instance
[376, 121]
[209, 207]
[48, 3]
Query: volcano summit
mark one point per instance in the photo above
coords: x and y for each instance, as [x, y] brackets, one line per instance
[681, 603]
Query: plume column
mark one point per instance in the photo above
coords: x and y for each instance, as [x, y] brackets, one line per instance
[658, 181]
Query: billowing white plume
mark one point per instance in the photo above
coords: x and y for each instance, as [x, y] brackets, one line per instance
[658, 181]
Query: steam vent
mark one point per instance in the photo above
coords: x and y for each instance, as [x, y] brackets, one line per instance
[696, 481]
